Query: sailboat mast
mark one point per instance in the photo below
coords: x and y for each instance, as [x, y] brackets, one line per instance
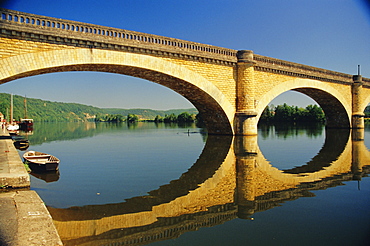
[25, 107]
[11, 108]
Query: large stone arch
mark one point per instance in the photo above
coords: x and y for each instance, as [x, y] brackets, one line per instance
[337, 109]
[216, 110]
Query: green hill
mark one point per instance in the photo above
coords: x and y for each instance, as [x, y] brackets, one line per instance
[41, 110]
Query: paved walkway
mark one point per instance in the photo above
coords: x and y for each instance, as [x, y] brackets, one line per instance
[24, 219]
[12, 171]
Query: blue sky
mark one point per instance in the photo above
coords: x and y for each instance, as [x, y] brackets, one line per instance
[330, 34]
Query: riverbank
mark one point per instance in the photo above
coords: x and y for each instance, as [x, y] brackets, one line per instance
[12, 171]
[24, 219]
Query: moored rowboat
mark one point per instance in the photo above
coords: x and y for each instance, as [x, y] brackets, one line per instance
[41, 161]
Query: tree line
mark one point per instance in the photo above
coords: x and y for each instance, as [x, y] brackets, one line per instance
[367, 114]
[171, 118]
[183, 117]
[280, 113]
[312, 113]
[46, 111]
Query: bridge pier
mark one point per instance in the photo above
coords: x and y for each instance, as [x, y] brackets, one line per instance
[357, 143]
[357, 94]
[245, 152]
[360, 155]
[245, 117]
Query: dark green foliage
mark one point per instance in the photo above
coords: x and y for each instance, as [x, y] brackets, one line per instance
[110, 118]
[182, 117]
[148, 114]
[367, 112]
[158, 118]
[314, 113]
[132, 118]
[170, 118]
[280, 113]
[186, 117]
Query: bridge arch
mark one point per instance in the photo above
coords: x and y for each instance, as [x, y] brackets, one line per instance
[216, 110]
[337, 108]
[365, 103]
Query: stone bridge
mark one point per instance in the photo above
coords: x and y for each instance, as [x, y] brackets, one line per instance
[229, 88]
[231, 179]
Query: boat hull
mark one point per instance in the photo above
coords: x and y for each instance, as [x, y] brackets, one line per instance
[26, 124]
[43, 167]
[40, 161]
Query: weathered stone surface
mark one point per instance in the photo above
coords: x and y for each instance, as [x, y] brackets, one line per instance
[25, 220]
[34, 221]
[8, 220]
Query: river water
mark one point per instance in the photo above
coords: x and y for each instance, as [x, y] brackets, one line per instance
[162, 184]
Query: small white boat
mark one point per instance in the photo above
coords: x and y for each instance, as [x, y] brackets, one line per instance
[13, 127]
[40, 161]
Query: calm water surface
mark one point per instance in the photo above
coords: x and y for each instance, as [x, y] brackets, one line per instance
[169, 185]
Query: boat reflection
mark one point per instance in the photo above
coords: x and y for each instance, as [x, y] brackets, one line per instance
[231, 179]
[20, 140]
[21, 144]
[48, 177]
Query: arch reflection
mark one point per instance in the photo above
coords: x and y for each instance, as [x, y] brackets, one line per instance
[334, 146]
[231, 179]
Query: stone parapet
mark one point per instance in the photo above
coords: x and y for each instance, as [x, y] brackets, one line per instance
[273, 65]
[81, 34]
[32, 27]
[366, 82]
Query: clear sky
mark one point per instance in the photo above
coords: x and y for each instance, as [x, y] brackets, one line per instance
[330, 34]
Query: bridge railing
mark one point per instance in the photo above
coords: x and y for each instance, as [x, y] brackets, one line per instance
[366, 82]
[273, 65]
[95, 36]
[80, 29]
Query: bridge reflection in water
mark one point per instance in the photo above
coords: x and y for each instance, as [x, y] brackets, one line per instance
[231, 179]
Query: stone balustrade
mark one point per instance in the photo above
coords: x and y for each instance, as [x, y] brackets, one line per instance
[55, 30]
[73, 29]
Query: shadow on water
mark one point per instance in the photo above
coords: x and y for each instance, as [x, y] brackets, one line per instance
[231, 179]
[48, 177]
